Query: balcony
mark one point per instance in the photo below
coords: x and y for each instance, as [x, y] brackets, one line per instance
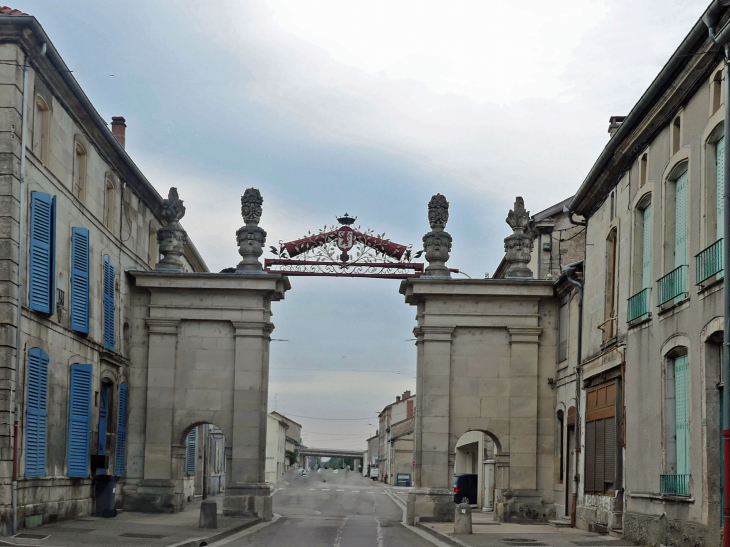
[709, 262]
[672, 285]
[639, 305]
[674, 485]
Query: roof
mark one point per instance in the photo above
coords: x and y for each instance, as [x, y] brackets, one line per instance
[287, 419]
[552, 210]
[5, 10]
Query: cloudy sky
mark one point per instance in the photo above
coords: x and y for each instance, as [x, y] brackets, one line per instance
[368, 107]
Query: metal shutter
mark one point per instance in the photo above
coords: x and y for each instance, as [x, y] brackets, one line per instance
[609, 468]
[36, 414]
[120, 467]
[80, 280]
[720, 177]
[42, 227]
[109, 309]
[79, 421]
[681, 366]
[590, 457]
[680, 227]
[646, 253]
[600, 455]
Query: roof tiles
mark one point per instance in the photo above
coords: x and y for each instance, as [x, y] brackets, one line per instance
[5, 10]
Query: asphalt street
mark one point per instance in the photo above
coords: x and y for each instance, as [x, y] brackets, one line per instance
[333, 509]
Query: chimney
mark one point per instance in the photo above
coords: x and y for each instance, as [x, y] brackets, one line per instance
[406, 394]
[119, 129]
[397, 399]
[614, 123]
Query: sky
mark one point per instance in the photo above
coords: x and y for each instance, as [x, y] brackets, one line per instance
[366, 107]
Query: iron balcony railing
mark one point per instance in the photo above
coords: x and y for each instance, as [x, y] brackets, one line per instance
[675, 485]
[709, 261]
[672, 285]
[639, 304]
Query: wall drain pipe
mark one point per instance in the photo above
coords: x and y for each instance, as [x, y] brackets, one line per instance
[721, 38]
[21, 291]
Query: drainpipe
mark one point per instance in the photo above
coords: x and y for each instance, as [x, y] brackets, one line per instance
[19, 311]
[721, 39]
[567, 211]
[576, 436]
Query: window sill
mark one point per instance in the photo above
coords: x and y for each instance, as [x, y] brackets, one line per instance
[670, 308]
[661, 497]
[646, 318]
[710, 286]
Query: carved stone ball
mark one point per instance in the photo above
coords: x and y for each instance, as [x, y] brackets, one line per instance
[251, 202]
[438, 212]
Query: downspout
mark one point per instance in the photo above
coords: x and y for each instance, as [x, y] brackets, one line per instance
[567, 211]
[576, 434]
[21, 291]
[721, 39]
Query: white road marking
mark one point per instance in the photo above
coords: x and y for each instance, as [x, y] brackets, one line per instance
[380, 533]
[339, 532]
[311, 488]
[355, 491]
[324, 488]
[340, 490]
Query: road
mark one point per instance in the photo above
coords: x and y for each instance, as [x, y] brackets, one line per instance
[333, 509]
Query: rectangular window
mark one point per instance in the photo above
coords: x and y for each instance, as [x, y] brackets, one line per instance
[677, 417]
[600, 439]
[120, 467]
[563, 333]
[720, 178]
[191, 452]
[646, 248]
[36, 414]
[80, 280]
[680, 223]
[103, 422]
[79, 421]
[109, 308]
[42, 252]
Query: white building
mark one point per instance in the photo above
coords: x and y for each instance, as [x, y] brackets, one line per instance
[276, 429]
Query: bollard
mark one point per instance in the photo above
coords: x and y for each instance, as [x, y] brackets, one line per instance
[208, 515]
[462, 519]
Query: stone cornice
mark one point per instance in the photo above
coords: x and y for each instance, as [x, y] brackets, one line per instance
[429, 333]
[162, 326]
[253, 328]
[527, 335]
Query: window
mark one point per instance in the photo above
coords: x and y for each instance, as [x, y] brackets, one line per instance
[110, 202]
[36, 414]
[42, 252]
[563, 333]
[676, 134]
[80, 159]
[613, 205]
[120, 467]
[674, 283]
[716, 92]
[41, 129]
[79, 421]
[561, 447]
[109, 308]
[680, 223]
[610, 289]
[80, 280]
[720, 187]
[639, 304]
[600, 439]
[677, 416]
[191, 452]
[643, 166]
[104, 408]
[154, 253]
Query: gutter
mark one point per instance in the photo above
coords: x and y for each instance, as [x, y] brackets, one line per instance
[657, 87]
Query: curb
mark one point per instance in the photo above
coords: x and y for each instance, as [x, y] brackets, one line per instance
[442, 537]
[219, 536]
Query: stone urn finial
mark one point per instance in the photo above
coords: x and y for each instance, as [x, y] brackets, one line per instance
[251, 237]
[518, 246]
[172, 237]
[437, 242]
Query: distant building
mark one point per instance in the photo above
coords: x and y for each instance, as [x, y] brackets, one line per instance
[293, 438]
[276, 428]
[395, 439]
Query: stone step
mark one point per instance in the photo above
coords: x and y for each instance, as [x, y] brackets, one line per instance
[559, 523]
[617, 533]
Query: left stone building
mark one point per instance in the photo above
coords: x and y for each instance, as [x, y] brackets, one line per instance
[85, 215]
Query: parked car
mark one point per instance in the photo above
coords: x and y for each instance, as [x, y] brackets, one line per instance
[465, 488]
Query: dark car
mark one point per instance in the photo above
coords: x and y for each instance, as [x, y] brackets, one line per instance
[465, 488]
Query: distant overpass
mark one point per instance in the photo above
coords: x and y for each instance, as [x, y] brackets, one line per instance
[331, 453]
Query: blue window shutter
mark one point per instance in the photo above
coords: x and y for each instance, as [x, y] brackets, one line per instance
[79, 421]
[108, 274]
[681, 383]
[120, 467]
[191, 452]
[53, 256]
[36, 414]
[41, 229]
[80, 280]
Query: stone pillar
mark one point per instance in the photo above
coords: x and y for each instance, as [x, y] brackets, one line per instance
[158, 491]
[432, 494]
[246, 491]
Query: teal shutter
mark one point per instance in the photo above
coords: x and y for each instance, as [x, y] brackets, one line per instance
[36, 414]
[681, 383]
[646, 255]
[80, 280]
[120, 467]
[79, 421]
[108, 275]
[191, 452]
[720, 157]
[680, 226]
[41, 252]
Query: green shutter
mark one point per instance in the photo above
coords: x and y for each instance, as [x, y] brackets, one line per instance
[720, 157]
[646, 257]
[680, 226]
[681, 385]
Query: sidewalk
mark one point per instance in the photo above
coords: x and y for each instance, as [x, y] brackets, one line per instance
[488, 533]
[134, 529]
